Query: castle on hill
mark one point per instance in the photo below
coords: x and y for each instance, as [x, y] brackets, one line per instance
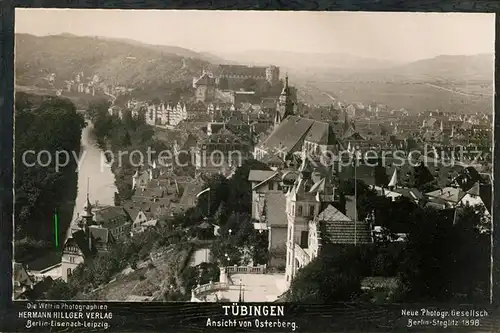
[230, 77]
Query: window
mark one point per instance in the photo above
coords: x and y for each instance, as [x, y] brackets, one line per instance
[271, 186]
[299, 210]
[68, 272]
[72, 259]
[311, 210]
[304, 237]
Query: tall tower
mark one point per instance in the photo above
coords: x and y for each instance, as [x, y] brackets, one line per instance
[272, 74]
[87, 215]
[285, 104]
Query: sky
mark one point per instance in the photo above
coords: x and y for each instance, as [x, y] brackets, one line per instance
[392, 36]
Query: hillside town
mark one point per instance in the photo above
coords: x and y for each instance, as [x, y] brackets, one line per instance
[297, 199]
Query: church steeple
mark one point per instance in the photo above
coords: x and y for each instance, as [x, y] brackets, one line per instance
[87, 214]
[285, 104]
[346, 121]
[285, 92]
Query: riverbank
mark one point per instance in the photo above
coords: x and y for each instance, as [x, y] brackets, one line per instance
[93, 176]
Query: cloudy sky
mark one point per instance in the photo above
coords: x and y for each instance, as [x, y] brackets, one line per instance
[395, 36]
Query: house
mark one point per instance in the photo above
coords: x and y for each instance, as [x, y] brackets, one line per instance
[447, 197]
[305, 201]
[22, 280]
[221, 150]
[274, 218]
[145, 213]
[191, 191]
[84, 241]
[37, 290]
[141, 178]
[114, 220]
[196, 111]
[263, 182]
[328, 229]
[394, 189]
[48, 265]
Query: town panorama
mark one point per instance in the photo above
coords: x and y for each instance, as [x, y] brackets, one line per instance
[211, 167]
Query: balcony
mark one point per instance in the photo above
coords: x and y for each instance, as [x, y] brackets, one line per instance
[301, 255]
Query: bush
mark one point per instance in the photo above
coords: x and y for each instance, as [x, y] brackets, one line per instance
[328, 278]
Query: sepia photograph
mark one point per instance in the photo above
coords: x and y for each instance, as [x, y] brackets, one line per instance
[253, 156]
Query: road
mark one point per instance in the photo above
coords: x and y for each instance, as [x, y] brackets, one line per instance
[452, 91]
[330, 96]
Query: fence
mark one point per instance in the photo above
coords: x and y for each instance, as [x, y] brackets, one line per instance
[261, 269]
[209, 287]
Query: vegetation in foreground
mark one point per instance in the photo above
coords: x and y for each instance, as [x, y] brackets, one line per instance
[429, 267]
[49, 124]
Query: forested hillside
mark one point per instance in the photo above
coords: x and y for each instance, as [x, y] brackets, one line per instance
[48, 124]
[117, 62]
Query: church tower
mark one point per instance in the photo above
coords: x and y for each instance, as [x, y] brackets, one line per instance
[285, 104]
[87, 215]
[73, 254]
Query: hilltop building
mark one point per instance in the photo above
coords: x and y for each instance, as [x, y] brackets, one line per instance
[228, 75]
[231, 77]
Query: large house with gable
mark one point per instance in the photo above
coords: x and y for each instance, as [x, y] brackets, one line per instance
[315, 220]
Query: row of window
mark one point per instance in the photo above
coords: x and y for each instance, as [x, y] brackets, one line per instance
[300, 211]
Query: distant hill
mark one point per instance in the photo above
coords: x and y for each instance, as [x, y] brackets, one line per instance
[159, 68]
[303, 61]
[180, 51]
[447, 68]
[126, 62]
[339, 67]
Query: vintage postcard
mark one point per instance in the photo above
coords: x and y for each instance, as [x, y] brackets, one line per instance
[233, 156]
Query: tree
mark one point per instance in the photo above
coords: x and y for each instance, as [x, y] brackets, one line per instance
[328, 278]
[423, 177]
[471, 247]
[220, 215]
[51, 124]
[59, 290]
[426, 272]
[202, 274]
[387, 259]
[240, 189]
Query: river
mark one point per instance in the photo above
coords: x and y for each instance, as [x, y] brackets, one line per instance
[101, 183]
